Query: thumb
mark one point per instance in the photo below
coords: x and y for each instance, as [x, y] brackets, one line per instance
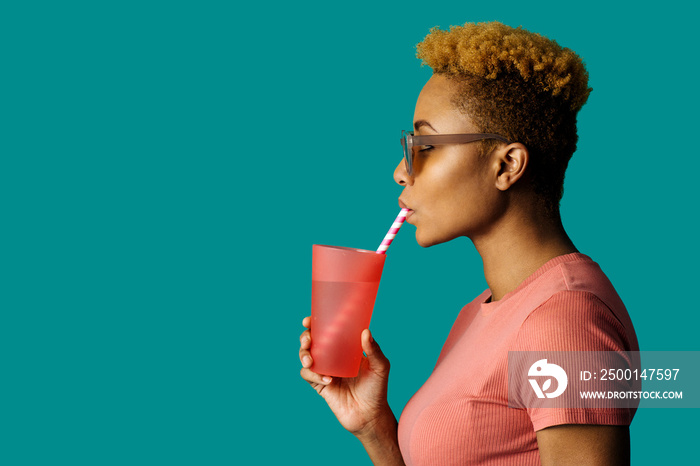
[377, 361]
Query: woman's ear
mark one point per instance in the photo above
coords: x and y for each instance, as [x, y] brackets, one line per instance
[512, 161]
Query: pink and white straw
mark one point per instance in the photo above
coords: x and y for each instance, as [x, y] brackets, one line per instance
[392, 231]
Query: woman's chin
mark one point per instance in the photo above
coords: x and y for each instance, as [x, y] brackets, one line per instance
[431, 238]
[426, 241]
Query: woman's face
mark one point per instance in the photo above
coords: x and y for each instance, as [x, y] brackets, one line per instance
[452, 191]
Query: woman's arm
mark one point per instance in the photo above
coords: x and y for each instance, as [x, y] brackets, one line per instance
[382, 443]
[359, 403]
[584, 445]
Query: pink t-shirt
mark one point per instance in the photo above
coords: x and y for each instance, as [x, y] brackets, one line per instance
[461, 414]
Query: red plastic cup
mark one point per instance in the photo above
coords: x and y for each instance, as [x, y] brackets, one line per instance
[344, 287]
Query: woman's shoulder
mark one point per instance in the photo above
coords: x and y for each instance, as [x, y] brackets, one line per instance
[573, 281]
[576, 320]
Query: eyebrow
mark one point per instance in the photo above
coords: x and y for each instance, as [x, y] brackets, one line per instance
[419, 123]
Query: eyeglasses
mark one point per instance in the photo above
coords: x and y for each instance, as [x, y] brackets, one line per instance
[410, 142]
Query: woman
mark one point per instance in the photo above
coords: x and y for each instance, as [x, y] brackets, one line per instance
[519, 93]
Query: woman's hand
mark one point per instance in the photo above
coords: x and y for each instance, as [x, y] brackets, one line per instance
[359, 403]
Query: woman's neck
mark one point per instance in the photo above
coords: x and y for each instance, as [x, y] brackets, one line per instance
[517, 247]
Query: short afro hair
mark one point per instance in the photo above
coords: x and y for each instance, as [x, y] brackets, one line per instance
[519, 84]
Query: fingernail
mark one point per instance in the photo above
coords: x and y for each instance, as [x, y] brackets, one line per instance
[326, 379]
[306, 360]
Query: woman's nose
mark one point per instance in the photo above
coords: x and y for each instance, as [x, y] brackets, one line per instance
[401, 176]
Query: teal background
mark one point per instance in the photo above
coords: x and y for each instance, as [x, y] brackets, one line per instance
[166, 167]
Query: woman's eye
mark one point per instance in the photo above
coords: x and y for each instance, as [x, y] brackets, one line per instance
[425, 148]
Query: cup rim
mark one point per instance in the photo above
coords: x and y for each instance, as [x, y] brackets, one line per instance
[345, 248]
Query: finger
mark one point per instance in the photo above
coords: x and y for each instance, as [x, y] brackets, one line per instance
[304, 350]
[314, 378]
[377, 361]
[306, 322]
[305, 340]
[305, 358]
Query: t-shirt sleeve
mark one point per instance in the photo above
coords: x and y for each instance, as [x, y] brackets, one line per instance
[574, 321]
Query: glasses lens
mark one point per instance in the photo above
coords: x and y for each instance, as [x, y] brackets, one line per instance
[407, 152]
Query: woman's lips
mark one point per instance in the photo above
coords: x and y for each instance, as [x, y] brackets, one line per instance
[403, 205]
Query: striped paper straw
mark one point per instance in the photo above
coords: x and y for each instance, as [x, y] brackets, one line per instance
[392, 231]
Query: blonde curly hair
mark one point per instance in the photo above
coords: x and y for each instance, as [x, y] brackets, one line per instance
[518, 84]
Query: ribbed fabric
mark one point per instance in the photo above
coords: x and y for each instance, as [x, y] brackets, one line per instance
[461, 416]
